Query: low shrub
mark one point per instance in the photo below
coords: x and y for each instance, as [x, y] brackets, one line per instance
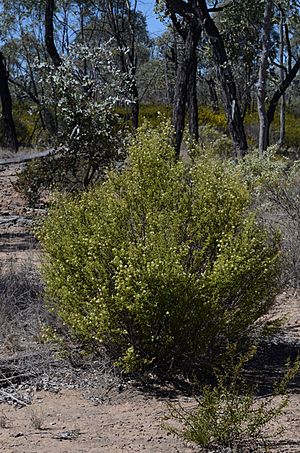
[207, 116]
[284, 210]
[274, 182]
[229, 416]
[260, 174]
[212, 141]
[162, 264]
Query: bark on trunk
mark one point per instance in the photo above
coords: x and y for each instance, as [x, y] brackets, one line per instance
[281, 62]
[213, 93]
[135, 106]
[185, 79]
[10, 136]
[280, 92]
[192, 99]
[225, 75]
[49, 33]
[282, 121]
[262, 79]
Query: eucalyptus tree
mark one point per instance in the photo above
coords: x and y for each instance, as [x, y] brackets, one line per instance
[239, 23]
[288, 61]
[49, 33]
[189, 28]
[198, 12]
[168, 49]
[20, 36]
[262, 80]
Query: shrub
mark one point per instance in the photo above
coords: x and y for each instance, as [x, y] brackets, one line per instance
[275, 184]
[208, 117]
[284, 211]
[260, 174]
[163, 264]
[212, 141]
[228, 415]
[21, 307]
[83, 92]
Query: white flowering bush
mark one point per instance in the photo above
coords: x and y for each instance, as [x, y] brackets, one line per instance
[162, 264]
[83, 93]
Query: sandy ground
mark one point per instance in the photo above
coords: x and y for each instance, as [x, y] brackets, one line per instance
[70, 423]
[130, 421]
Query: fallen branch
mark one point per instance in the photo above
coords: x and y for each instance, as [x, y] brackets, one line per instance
[27, 157]
[13, 398]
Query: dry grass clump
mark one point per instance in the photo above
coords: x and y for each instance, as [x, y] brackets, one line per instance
[37, 418]
[21, 307]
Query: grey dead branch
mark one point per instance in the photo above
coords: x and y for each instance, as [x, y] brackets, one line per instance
[22, 158]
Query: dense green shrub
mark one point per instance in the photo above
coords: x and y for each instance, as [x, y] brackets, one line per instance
[163, 264]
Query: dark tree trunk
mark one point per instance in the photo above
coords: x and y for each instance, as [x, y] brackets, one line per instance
[10, 136]
[225, 75]
[280, 92]
[213, 93]
[179, 105]
[135, 107]
[185, 80]
[192, 100]
[49, 33]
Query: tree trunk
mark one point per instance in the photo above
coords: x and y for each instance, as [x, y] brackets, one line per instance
[282, 121]
[262, 79]
[213, 93]
[185, 80]
[225, 75]
[49, 33]
[281, 62]
[10, 136]
[135, 106]
[192, 99]
[280, 92]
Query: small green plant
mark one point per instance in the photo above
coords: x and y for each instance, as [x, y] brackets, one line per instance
[228, 414]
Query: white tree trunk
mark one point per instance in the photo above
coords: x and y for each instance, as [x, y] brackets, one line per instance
[282, 75]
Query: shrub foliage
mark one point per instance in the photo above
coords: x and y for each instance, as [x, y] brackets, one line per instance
[228, 416]
[163, 264]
